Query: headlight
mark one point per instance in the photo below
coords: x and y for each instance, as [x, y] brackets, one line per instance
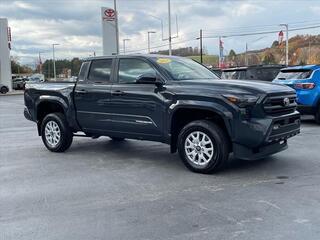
[241, 101]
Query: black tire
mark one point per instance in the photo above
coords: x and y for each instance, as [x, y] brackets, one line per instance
[4, 90]
[66, 135]
[317, 115]
[218, 139]
[117, 139]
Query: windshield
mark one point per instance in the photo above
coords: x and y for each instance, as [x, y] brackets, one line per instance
[184, 68]
[234, 74]
[294, 74]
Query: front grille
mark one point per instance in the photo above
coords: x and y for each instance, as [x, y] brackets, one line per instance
[279, 104]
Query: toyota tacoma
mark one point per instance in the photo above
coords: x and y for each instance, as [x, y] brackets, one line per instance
[172, 100]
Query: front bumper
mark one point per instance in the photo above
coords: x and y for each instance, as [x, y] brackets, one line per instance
[27, 114]
[263, 137]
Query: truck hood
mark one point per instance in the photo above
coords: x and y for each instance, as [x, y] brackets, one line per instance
[251, 87]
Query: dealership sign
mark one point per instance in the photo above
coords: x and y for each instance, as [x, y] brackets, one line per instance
[109, 15]
[109, 31]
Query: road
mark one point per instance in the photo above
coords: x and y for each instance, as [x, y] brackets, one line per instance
[100, 189]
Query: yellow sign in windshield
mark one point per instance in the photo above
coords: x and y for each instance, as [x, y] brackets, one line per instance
[163, 60]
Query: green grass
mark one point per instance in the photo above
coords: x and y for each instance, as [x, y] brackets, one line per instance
[207, 59]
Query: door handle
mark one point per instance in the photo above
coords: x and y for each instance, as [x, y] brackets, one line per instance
[82, 91]
[117, 93]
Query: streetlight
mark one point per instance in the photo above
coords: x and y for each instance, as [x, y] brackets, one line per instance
[116, 23]
[124, 44]
[287, 41]
[200, 38]
[169, 21]
[54, 61]
[149, 32]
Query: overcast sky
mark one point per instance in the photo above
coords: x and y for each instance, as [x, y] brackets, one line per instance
[76, 24]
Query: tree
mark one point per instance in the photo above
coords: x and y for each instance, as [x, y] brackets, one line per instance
[232, 54]
[17, 68]
[268, 58]
[275, 44]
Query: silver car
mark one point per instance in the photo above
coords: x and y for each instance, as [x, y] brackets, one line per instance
[3, 89]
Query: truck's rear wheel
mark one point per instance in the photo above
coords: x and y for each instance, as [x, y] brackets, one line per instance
[203, 146]
[55, 132]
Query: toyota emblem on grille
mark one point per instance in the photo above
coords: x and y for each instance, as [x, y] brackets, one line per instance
[286, 102]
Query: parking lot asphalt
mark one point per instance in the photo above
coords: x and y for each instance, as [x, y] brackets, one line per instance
[100, 189]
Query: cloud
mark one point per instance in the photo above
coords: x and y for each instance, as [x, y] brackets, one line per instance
[76, 25]
[245, 9]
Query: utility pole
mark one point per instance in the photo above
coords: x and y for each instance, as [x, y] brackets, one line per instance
[40, 63]
[287, 42]
[149, 32]
[246, 55]
[169, 21]
[220, 52]
[124, 44]
[54, 61]
[116, 23]
[309, 52]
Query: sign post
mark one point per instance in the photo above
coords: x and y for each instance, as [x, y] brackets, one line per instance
[109, 31]
[5, 45]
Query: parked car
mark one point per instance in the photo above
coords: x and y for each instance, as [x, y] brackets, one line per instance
[3, 89]
[173, 100]
[36, 78]
[306, 81]
[258, 72]
[18, 83]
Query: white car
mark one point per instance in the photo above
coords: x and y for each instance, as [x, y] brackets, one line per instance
[3, 89]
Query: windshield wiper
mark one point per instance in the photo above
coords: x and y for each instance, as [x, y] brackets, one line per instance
[282, 78]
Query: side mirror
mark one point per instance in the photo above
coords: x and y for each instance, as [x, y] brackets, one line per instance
[147, 78]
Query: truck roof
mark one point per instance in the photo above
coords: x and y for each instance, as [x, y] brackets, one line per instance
[304, 67]
[261, 66]
[130, 55]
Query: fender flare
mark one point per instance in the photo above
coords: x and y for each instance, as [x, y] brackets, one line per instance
[225, 113]
[51, 99]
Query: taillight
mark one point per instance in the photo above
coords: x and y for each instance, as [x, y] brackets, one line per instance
[304, 85]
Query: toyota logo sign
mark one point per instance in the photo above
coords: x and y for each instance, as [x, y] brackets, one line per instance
[109, 15]
[286, 102]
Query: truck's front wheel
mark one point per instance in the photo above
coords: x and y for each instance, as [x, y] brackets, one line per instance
[203, 146]
[55, 132]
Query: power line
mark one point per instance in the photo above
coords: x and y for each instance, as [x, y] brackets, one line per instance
[259, 33]
[163, 45]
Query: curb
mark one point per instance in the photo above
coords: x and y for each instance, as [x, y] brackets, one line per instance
[13, 93]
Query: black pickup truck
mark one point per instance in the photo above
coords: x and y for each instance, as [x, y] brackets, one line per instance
[173, 100]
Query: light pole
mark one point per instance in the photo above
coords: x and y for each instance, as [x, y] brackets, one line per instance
[200, 38]
[116, 23]
[287, 42]
[169, 21]
[149, 32]
[54, 61]
[124, 44]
